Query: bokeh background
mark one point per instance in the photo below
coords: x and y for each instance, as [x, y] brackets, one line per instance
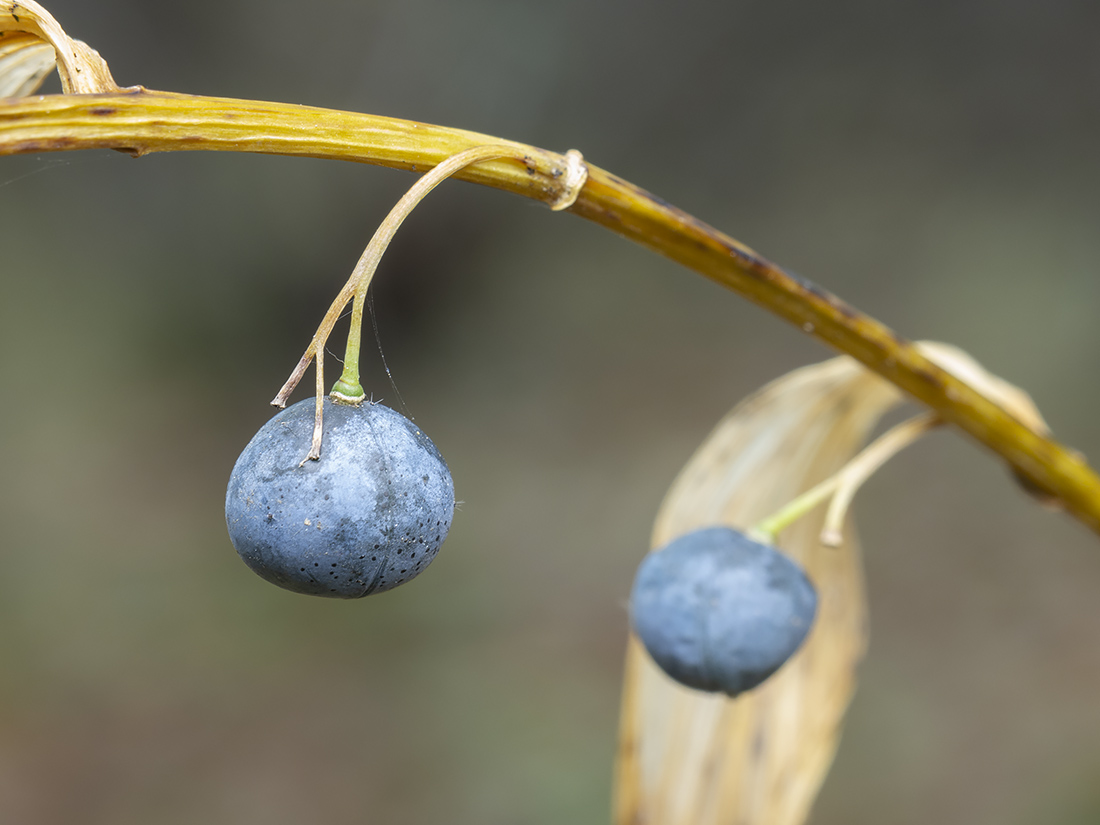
[933, 163]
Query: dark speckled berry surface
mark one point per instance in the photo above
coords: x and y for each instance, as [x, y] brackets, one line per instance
[368, 516]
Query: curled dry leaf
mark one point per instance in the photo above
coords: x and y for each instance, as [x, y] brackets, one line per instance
[24, 65]
[25, 61]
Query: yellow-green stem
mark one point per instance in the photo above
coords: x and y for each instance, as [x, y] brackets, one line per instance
[348, 388]
[841, 487]
[767, 530]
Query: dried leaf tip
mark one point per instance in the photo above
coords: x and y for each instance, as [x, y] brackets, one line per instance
[1013, 399]
[963, 366]
[27, 33]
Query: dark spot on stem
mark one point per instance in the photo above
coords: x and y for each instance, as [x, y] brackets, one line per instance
[927, 376]
[51, 145]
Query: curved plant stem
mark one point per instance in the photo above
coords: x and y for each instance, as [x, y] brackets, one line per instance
[865, 465]
[348, 389]
[840, 488]
[364, 270]
[140, 121]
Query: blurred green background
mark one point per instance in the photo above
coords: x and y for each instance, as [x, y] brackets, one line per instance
[935, 164]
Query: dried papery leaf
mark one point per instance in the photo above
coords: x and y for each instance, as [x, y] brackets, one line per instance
[25, 62]
[692, 758]
[80, 67]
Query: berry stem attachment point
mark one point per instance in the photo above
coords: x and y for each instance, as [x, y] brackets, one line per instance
[348, 388]
[841, 487]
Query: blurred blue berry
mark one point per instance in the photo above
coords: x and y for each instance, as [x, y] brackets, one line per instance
[718, 611]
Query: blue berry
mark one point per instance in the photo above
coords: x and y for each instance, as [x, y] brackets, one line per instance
[368, 516]
[718, 611]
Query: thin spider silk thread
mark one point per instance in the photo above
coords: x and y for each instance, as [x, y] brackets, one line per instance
[382, 355]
